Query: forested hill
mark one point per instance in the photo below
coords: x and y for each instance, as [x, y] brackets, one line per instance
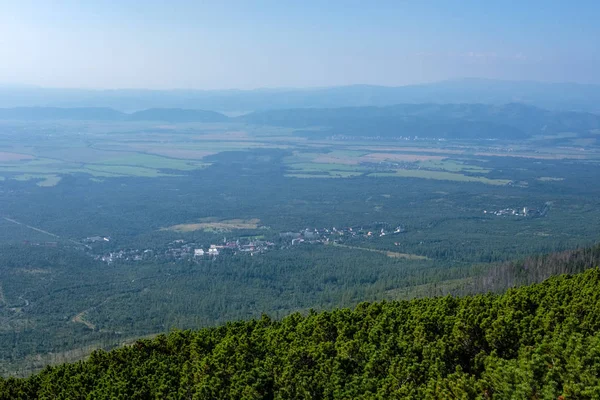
[452, 121]
[107, 114]
[176, 115]
[565, 96]
[539, 341]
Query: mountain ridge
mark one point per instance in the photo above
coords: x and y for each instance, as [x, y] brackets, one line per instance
[431, 120]
[563, 96]
[467, 121]
[109, 114]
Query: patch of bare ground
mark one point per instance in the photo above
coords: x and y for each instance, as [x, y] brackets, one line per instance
[33, 271]
[7, 156]
[378, 157]
[325, 159]
[80, 319]
[534, 156]
[223, 225]
[408, 149]
[391, 254]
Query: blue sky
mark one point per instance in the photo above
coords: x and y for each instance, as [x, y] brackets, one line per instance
[250, 44]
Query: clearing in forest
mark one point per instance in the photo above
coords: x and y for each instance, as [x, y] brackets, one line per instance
[440, 175]
[80, 318]
[391, 254]
[209, 224]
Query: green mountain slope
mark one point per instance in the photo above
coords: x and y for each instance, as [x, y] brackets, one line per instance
[539, 341]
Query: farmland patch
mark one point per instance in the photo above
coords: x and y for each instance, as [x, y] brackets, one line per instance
[7, 156]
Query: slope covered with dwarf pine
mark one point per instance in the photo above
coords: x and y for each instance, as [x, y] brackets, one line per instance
[538, 341]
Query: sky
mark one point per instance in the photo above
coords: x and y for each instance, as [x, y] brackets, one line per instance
[106, 44]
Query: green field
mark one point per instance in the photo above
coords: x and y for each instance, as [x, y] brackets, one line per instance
[442, 176]
[331, 174]
[452, 166]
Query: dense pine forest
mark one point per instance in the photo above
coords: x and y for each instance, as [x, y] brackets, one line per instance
[540, 341]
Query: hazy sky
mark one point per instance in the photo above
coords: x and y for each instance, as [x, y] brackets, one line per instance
[249, 44]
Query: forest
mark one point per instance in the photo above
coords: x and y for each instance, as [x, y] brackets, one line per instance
[538, 341]
[51, 283]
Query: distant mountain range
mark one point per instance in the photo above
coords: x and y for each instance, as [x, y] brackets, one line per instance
[509, 121]
[463, 121]
[554, 96]
[108, 114]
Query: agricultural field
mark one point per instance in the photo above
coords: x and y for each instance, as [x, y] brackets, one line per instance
[100, 152]
[45, 153]
[442, 176]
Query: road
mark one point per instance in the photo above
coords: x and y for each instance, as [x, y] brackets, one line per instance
[14, 221]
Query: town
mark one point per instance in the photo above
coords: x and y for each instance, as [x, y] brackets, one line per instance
[183, 250]
[326, 235]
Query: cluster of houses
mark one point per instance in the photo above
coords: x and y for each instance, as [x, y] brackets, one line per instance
[239, 246]
[325, 235]
[95, 239]
[124, 255]
[180, 249]
[520, 212]
[509, 211]
[386, 138]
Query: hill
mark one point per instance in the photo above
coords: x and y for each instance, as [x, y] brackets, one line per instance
[177, 115]
[172, 115]
[538, 341]
[56, 113]
[463, 121]
[451, 121]
[555, 96]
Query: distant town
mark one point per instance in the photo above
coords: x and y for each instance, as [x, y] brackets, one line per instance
[183, 250]
[180, 250]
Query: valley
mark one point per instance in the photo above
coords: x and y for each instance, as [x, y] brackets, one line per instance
[136, 228]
